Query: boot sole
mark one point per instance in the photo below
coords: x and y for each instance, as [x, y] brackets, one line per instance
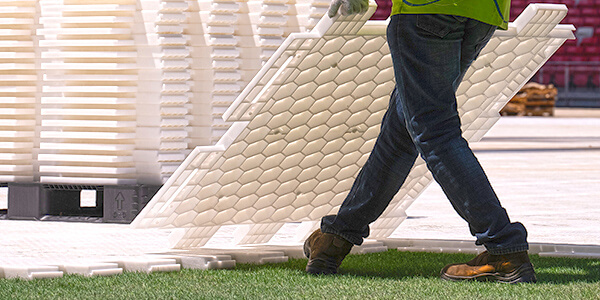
[523, 274]
[321, 267]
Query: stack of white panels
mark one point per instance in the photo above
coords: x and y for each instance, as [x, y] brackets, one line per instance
[89, 86]
[120, 91]
[217, 77]
[175, 90]
[18, 91]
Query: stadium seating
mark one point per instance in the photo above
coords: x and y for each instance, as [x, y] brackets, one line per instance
[582, 14]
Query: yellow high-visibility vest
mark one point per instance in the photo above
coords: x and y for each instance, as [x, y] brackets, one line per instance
[494, 12]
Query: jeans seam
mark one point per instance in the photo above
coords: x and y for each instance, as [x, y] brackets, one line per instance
[346, 237]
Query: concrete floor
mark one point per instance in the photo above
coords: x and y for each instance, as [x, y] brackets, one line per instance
[546, 171]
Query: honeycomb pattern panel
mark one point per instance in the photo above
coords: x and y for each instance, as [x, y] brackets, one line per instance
[307, 122]
[254, 156]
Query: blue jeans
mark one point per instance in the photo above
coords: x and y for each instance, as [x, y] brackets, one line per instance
[431, 54]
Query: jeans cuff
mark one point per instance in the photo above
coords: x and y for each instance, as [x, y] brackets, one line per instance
[352, 239]
[515, 249]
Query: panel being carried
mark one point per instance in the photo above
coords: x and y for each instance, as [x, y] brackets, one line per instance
[307, 122]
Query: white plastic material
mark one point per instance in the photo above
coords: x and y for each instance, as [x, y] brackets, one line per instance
[92, 269]
[307, 122]
[30, 272]
[203, 262]
[148, 264]
[121, 67]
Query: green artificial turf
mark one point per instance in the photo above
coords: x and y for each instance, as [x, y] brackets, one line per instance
[386, 275]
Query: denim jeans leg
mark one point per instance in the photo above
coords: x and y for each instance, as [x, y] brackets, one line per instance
[378, 181]
[431, 54]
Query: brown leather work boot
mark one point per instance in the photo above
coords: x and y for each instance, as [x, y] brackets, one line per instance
[325, 252]
[508, 268]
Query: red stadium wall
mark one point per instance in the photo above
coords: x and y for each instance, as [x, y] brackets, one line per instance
[575, 67]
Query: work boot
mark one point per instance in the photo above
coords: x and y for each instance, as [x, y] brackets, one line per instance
[325, 252]
[508, 268]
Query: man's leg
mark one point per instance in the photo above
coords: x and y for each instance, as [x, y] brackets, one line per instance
[381, 177]
[378, 181]
[431, 54]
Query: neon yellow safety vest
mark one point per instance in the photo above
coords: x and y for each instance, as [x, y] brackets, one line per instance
[494, 12]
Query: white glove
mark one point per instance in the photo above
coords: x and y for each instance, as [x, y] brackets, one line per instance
[348, 7]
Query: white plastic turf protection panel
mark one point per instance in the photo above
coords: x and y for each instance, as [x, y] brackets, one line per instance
[261, 161]
[91, 269]
[306, 123]
[148, 264]
[30, 272]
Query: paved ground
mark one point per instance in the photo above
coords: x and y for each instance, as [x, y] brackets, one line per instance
[546, 172]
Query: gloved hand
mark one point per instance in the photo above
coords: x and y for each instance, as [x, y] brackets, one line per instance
[348, 7]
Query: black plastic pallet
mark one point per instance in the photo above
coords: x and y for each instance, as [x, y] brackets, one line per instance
[57, 202]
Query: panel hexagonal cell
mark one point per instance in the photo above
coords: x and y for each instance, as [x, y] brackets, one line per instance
[319, 125]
